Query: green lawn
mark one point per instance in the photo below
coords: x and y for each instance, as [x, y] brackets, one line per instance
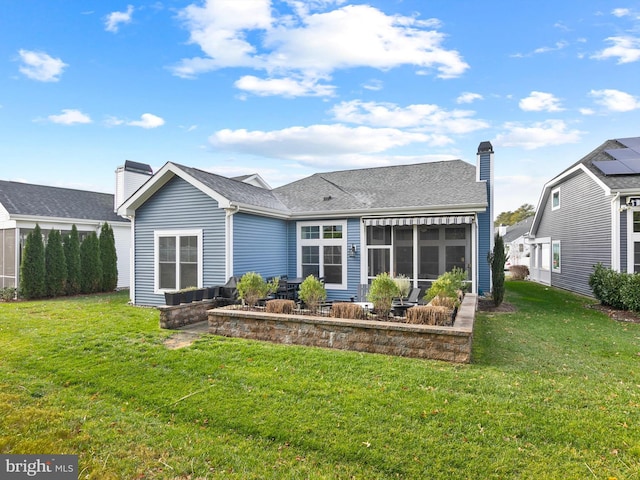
[553, 392]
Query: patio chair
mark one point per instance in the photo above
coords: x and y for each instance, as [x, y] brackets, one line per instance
[414, 296]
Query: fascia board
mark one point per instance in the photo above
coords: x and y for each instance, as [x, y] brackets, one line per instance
[408, 212]
[65, 221]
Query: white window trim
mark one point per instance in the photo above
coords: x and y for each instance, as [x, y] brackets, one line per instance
[322, 242]
[177, 234]
[557, 269]
[553, 192]
[632, 238]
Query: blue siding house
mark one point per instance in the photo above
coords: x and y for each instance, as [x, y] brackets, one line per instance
[589, 214]
[195, 228]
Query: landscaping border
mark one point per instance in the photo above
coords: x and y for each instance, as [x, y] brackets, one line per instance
[451, 344]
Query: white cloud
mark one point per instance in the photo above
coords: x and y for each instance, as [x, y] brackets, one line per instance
[621, 12]
[286, 87]
[147, 120]
[69, 117]
[615, 100]
[374, 85]
[626, 49]
[557, 46]
[316, 143]
[469, 97]
[538, 135]
[41, 66]
[114, 19]
[311, 45]
[539, 102]
[423, 117]
[587, 111]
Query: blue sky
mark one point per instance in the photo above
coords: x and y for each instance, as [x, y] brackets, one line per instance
[289, 88]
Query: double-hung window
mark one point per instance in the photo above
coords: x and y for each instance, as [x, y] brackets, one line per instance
[322, 252]
[178, 259]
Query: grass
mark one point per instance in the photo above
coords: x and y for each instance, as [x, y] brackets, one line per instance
[553, 392]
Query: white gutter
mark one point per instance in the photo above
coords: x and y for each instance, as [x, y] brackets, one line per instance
[615, 233]
[228, 240]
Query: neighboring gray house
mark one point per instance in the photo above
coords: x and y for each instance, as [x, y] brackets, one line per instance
[24, 205]
[588, 214]
[515, 241]
[195, 228]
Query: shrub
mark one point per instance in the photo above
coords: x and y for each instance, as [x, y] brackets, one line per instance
[90, 265]
[72, 258]
[348, 310]
[496, 260]
[109, 259]
[312, 292]
[281, 306]
[630, 292]
[252, 287]
[429, 315]
[55, 265]
[404, 285]
[8, 294]
[449, 284]
[32, 268]
[607, 286]
[381, 293]
[449, 302]
[519, 272]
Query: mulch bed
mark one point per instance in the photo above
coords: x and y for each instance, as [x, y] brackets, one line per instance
[487, 305]
[615, 314]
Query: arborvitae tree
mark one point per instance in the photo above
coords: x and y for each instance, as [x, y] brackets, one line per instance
[72, 257]
[90, 265]
[497, 259]
[55, 265]
[109, 259]
[32, 269]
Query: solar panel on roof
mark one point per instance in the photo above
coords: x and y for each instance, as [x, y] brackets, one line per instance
[623, 153]
[633, 164]
[633, 143]
[613, 167]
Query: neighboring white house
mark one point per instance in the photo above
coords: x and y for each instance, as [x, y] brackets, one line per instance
[515, 245]
[23, 205]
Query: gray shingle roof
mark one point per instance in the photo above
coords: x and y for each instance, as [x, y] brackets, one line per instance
[614, 182]
[518, 229]
[235, 190]
[43, 201]
[425, 185]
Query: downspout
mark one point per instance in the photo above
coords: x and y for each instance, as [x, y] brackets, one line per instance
[615, 234]
[132, 260]
[228, 241]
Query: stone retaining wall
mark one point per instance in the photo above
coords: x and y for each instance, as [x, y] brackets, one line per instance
[176, 316]
[452, 344]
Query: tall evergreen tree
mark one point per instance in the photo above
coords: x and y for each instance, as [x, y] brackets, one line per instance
[90, 265]
[109, 258]
[72, 258]
[55, 265]
[497, 259]
[32, 269]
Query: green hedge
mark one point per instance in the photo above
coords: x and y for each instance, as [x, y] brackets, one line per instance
[615, 289]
